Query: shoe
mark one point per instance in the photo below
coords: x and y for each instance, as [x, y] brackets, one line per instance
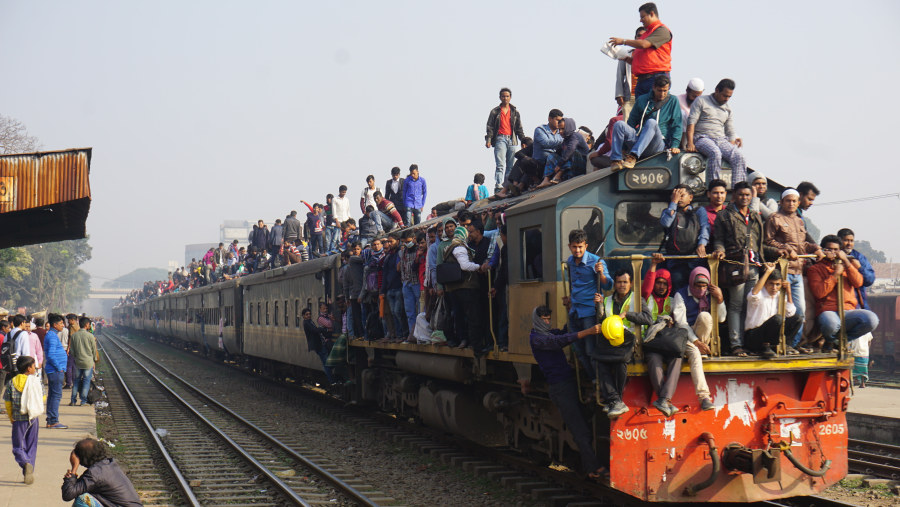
[617, 165]
[28, 470]
[706, 404]
[71, 403]
[828, 348]
[767, 351]
[629, 161]
[804, 350]
[791, 351]
[665, 407]
[80, 403]
[463, 344]
[618, 409]
[57, 426]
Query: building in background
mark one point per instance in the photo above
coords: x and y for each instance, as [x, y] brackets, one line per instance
[197, 251]
[231, 230]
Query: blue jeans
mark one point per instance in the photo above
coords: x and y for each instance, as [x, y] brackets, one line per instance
[316, 243]
[413, 214]
[646, 85]
[799, 298]
[332, 235]
[86, 500]
[505, 158]
[323, 355]
[383, 222]
[54, 395]
[626, 140]
[858, 322]
[411, 293]
[736, 308]
[82, 384]
[554, 160]
[584, 347]
[395, 300]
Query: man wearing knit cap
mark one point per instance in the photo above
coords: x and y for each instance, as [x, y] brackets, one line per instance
[786, 232]
[761, 203]
[694, 89]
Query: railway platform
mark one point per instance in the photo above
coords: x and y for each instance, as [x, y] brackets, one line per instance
[874, 415]
[54, 447]
[879, 401]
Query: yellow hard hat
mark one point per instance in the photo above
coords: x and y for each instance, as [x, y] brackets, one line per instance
[613, 329]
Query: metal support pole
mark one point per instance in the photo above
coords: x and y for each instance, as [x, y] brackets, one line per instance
[714, 341]
[782, 306]
[637, 262]
[842, 333]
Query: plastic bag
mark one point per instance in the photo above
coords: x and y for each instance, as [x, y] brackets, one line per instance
[440, 317]
[422, 331]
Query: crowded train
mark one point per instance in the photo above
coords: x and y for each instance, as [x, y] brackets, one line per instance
[556, 315]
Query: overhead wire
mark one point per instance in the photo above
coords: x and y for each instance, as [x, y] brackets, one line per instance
[860, 199]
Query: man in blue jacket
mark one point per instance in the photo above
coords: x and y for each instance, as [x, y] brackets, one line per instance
[415, 190]
[55, 361]
[653, 126]
[862, 264]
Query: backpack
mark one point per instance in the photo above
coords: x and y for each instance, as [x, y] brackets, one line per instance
[681, 237]
[7, 351]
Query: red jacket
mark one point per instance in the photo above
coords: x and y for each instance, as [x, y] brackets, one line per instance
[652, 60]
[824, 286]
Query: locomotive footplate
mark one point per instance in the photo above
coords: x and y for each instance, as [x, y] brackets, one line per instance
[763, 464]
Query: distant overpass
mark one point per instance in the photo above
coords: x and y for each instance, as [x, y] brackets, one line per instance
[108, 293]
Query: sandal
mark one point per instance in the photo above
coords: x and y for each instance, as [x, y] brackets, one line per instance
[739, 352]
[803, 350]
[599, 475]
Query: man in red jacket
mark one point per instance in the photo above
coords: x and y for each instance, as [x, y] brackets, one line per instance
[652, 54]
[823, 282]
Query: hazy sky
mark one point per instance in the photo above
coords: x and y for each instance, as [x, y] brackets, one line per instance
[205, 111]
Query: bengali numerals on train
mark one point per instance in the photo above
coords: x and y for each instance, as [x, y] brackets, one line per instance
[647, 178]
[635, 434]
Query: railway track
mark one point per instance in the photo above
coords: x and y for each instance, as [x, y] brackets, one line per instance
[882, 460]
[510, 469]
[219, 457]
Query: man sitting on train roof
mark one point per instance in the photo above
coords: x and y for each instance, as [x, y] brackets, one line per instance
[693, 91]
[656, 289]
[738, 238]
[390, 218]
[548, 137]
[653, 125]
[610, 356]
[786, 232]
[763, 322]
[687, 233]
[710, 131]
[588, 276]
[570, 158]
[862, 264]
[823, 282]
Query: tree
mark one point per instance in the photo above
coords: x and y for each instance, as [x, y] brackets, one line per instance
[52, 280]
[865, 248]
[14, 137]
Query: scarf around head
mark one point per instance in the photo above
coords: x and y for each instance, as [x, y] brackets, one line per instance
[460, 238]
[665, 275]
[540, 327]
[702, 295]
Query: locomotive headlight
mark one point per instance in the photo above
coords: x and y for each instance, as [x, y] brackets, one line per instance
[695, 183]
[692, 164]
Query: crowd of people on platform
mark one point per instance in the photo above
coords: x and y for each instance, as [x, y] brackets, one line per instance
[61, 352]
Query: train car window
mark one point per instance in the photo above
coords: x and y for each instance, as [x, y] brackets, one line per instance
[637, 223]
[589, 218]
[267, 313]
[297, 313]
[250, 312]
[532, 258]
[258, 313]
[285, 313]
[276, 313]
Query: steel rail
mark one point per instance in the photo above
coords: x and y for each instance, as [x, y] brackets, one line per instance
[183, 484]
[345, 488]
[282, 486]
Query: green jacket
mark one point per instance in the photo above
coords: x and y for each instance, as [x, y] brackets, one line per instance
[83, 347]
[667, 116]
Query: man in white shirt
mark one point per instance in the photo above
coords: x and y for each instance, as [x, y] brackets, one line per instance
[368, 194]
[685, 100]
[762, 326]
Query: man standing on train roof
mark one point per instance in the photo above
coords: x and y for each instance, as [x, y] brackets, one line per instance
[657, 289]
[292, 230]
[652, 54]
[653, 125]
[823, 277]
[687, 233]
[415, 192]
[693, 91]
[710, 131]
[393, 190]
[547, 137]
[848, 239]
[503, 131]
[367, 198]
[588, 274]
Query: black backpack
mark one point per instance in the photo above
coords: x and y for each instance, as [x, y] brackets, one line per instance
[7, 351]
[681, 237]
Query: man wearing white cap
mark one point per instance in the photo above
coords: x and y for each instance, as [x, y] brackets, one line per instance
[786, 232]
[694, 89]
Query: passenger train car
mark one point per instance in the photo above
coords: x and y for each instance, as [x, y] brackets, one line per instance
[778, 428]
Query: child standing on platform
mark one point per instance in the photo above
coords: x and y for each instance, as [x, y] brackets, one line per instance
[24, 403]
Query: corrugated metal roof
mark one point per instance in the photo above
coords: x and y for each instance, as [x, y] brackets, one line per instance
[33, 180]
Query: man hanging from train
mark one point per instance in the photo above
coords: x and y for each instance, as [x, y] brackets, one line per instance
[588, 275]
[786, 232]
[848, 239]
[657, 289]
[823, 277]
[687, 233]
[611, 356]
[653, 126]
[763, 324]
[710, 131]
[691, 309]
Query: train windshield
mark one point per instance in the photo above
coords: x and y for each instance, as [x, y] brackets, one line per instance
[637, 223]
